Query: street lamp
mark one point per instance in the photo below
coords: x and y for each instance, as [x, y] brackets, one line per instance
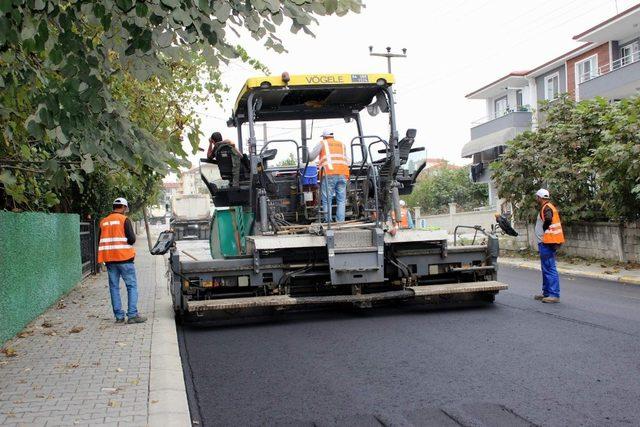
[388, 54]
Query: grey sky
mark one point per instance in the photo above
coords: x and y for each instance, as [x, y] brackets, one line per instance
[454, 47]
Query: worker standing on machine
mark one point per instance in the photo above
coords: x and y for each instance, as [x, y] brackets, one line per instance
[406, 221]
[334, 174]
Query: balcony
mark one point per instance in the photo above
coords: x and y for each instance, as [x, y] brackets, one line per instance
[493, 132]
[616, 80]
[519, 118]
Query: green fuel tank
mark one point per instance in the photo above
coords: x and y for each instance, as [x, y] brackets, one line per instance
[229, 229]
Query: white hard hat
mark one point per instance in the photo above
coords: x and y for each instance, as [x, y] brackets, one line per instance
[326, 133]
[403, 203]
[121, 201]
[542, 193]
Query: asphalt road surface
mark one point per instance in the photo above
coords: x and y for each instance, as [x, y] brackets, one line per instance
[517, 362]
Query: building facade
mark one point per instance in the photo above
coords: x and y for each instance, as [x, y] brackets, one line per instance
[605, 64]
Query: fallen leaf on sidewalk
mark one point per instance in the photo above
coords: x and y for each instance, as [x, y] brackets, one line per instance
[76, 329]
[119, 369]
[113, 404]
[25, 334]
[9, 352]
[40, 396]
[61, 305]
[10, 414]
[73, 365]
[121, 344]
[47, 324]
[3, 362]
[154, 401]
[135, 381]
[51, 333]
[27, 370]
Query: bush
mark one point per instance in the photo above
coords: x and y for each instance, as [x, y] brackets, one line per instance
[444, 185]
[587, 154]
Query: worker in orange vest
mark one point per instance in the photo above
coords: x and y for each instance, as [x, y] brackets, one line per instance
[549, 234]
[333, 164]
[406, 221]
[115, 249]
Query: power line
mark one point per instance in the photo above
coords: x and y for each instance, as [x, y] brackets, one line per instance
[411, 89]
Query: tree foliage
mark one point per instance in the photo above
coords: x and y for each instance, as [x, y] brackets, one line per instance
[444, 185]
[587, 154]
[110, 85]
[289, 161]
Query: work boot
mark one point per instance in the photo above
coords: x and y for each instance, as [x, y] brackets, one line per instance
[120, 320]
[538, 297]
[551, 300]
[137, 319]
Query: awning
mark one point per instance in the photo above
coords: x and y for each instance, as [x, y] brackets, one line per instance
[490, 141]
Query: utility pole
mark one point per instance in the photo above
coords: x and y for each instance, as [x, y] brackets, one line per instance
[388, 54]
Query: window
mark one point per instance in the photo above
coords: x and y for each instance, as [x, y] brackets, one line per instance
[519, 99]
[587, 69]
[551, 86]
[629, 53]
[500, 106]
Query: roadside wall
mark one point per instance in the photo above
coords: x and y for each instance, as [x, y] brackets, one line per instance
[484, 218]
[39, 262]
[618, 242]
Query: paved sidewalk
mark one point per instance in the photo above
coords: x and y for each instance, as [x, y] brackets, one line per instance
[74, 366]
[593, 270]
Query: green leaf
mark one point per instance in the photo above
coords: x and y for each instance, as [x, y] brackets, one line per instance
[87, 164]
[39, 4]
[5, 6]
[172, 4]
[51, 199]
[7, 178]
[28, 29]
[25, 152]
[124, 5]
[142, 10]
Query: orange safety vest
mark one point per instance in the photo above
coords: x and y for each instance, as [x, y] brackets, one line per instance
[333, 158]
[554, 233]
[113, 246]
[404, 218]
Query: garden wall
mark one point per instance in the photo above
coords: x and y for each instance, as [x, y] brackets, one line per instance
[39, 262]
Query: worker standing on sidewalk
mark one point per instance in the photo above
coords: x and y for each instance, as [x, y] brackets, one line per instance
[116, 251]
[334, 169]
[550, 236]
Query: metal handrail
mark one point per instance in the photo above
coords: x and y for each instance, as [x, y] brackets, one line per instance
[509, 110]
[619, 63]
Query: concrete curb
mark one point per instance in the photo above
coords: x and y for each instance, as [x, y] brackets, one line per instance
[630, 280]
[168, 404]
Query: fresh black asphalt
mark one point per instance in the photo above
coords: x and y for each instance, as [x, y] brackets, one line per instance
[517, 362]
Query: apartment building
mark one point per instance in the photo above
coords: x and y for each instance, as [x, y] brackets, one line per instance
[606, 64]
[192, 183]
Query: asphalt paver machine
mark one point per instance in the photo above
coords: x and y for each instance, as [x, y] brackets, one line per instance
[269, 250]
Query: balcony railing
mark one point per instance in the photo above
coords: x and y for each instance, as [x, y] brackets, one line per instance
[498, 114]
[611, 66]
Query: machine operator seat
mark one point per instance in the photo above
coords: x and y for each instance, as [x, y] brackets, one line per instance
[234, 167]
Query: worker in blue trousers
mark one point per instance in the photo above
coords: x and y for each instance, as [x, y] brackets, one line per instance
[550, 236]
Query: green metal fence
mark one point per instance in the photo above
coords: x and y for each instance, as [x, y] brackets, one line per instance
[39, 262]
